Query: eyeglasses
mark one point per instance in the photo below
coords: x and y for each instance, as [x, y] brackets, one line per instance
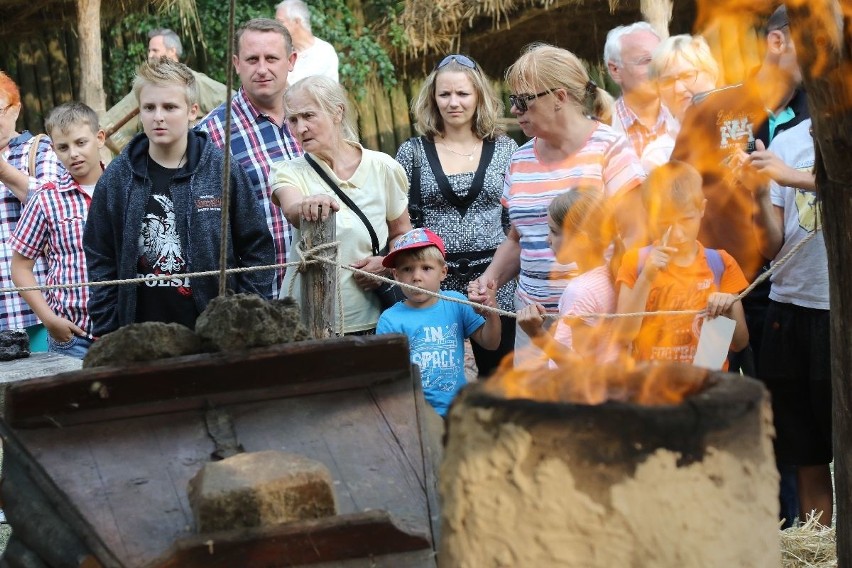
[462, 60]
[520, 101]
[687, 78]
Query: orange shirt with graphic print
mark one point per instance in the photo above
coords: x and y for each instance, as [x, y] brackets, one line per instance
[675, 337]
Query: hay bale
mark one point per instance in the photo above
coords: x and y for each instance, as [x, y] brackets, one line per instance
[810, 545]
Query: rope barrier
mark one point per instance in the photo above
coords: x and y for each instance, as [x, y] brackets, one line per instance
[310, 257]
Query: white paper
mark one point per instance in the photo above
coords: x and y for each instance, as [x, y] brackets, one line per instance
[714, 342]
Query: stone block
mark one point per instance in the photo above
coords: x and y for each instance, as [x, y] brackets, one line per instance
[260, 489]
[14, 345]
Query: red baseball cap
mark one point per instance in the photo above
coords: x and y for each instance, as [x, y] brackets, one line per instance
[415, 239]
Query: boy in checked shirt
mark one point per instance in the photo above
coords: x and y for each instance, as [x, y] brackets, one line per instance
[52, 226]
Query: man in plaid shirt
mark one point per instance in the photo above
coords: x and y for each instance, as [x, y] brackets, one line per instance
[17, 183]
[263, 55]
[51, 227]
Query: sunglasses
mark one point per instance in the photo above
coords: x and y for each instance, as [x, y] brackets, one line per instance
[520, 101]
[462, 60]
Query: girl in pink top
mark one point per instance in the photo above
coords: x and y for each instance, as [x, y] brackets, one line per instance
[580, 229]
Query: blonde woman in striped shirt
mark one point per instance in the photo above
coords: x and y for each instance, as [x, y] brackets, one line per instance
[564, 113]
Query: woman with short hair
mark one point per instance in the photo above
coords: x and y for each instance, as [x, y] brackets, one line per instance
[317, 111]
[456, 168]
[555, 102]
[683, 68]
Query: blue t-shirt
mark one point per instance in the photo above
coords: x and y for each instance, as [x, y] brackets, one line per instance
[436, 336]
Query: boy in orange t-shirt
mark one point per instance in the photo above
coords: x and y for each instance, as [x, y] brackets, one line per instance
[677, 273]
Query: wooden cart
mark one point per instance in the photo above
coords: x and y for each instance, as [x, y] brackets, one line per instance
[97, 461]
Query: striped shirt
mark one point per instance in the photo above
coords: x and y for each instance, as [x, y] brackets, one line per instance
[626, 122]
[14, 311]
[257, 142]
[55, 216]
[605, 161]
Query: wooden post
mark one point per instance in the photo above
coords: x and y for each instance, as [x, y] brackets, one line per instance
[319, 281]
[658, 13]
[823, 38]
[91, 66]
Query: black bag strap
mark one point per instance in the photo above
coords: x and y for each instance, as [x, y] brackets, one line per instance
[415, 198]
[461, 204]
[348, 201]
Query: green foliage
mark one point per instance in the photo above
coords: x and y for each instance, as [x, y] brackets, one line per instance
[361, 49]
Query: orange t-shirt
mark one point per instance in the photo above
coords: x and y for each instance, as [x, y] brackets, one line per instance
[675, 337]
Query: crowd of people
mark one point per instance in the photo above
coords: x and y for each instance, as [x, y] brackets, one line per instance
[672, 197]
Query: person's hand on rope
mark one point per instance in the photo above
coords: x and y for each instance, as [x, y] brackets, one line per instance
[318, 207]
[489, 296]
[62, 330]
[531, 319]
[477, 290]
[372, 264]
[720, 304]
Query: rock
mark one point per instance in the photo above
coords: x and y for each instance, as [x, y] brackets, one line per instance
[145, 341]
[14, 345]
[260, 489]
[241, 321]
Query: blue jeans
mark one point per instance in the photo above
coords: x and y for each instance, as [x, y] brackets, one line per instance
[76, 347]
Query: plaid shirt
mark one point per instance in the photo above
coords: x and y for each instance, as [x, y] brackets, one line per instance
[56, 216]
[256, 142]
[626, 121]
[14, 311]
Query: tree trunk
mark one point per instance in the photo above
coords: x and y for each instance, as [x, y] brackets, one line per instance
[822, 37]
[91, 63]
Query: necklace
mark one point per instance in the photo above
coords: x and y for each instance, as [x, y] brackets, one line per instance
[462, 154]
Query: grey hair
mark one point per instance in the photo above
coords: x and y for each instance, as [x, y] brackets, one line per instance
[296, 9]
[170, 40]
[615, 39]
[330, 97]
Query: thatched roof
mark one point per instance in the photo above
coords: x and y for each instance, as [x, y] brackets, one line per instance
[494, 31]
[23, 19]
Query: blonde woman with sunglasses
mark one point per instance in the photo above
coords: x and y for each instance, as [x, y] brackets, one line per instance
[456, 169]
[562, 110]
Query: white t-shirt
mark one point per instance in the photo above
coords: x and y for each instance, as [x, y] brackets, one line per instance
[803, 279]
[88, 189]
[379, 187]
[319, 59]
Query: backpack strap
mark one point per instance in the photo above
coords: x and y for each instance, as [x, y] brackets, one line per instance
[714, 260]
[717, 265]
[33, 154]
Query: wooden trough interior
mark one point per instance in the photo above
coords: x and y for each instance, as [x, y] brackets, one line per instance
[97, 461]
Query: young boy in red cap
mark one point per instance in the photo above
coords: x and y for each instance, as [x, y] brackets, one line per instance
[436, 328]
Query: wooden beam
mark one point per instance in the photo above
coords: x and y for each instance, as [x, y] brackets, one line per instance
[823, 38]
[91, 60]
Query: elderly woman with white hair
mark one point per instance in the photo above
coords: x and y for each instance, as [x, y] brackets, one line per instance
[336, 169]
[683, 68]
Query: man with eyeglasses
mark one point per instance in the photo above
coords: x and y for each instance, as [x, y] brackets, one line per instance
[638, 112]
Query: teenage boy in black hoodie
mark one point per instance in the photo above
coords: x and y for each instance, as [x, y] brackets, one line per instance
[157, 208]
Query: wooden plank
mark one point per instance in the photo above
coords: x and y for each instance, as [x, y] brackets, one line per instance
[32, 110]
[64, 521]
[59, 69]
[193, 381]
[401, 116]
[371, 534]
[367, 122]
[37, 365]
[384, 117]
[319, 281]
[43, 77]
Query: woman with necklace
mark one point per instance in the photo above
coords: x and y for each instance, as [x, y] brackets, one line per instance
[456, 171]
